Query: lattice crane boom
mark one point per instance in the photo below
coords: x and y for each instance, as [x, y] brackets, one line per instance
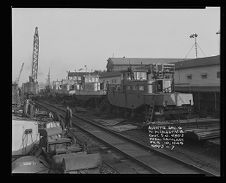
[17, 81]
[34, 72]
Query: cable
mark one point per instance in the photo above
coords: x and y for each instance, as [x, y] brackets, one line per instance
[189, 51]
[201, 50]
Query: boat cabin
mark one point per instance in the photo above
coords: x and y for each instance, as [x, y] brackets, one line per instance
[154, 78]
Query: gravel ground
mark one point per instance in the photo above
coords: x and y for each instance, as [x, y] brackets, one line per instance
[195, 152]
[200, 153]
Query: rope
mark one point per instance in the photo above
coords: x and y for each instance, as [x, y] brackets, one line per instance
[26, 143]
[23, 137]
[32, 138]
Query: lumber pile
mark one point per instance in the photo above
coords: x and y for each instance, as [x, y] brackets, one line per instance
[202, 134]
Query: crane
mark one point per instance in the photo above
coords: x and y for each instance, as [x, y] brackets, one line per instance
[17, 80]
[34, 71]
[30, 88]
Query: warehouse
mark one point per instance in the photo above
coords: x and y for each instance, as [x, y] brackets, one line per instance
[201, 77]
[122, 64]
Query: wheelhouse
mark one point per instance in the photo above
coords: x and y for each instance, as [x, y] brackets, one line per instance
[154, 78]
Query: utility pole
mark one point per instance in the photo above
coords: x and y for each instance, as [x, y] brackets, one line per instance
[194, 36]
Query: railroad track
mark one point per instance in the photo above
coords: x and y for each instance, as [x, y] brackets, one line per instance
[154, 160]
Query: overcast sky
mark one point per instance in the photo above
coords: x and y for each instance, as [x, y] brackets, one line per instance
[72, 38]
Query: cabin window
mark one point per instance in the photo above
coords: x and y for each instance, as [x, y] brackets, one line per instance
[128, 87]
[141, 88]
[134, 88]
[189, 76]
[166, 76]
[218, 74]
[159, 68]
[204, 75]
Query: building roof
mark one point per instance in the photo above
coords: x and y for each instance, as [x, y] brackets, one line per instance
[138, 61]
[71, 74]
[199, 62]
[110, 74]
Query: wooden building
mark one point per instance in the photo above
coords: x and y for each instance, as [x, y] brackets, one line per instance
[201, 77]
[122, 64]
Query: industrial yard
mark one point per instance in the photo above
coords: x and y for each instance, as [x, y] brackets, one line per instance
[156, 115]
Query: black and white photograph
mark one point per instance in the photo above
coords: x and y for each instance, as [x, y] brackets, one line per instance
[116, 91]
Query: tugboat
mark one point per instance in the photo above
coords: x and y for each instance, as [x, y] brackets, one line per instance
[148, 92]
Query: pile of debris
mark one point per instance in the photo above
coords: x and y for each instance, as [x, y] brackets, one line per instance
[64, 154]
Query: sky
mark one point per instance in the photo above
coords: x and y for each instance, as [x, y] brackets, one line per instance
[70, 38]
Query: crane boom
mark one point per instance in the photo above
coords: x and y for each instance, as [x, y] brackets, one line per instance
[17, 81]
[34, 71]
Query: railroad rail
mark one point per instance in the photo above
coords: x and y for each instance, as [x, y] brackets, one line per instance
[156, 161]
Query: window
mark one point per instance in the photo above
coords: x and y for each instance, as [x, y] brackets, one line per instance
[134, 87]
[204, 75]
[218, 74]
[166, 76]
[128, 87]
[189, 76]
[141, 88]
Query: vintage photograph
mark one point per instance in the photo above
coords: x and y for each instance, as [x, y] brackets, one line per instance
[116, 91]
